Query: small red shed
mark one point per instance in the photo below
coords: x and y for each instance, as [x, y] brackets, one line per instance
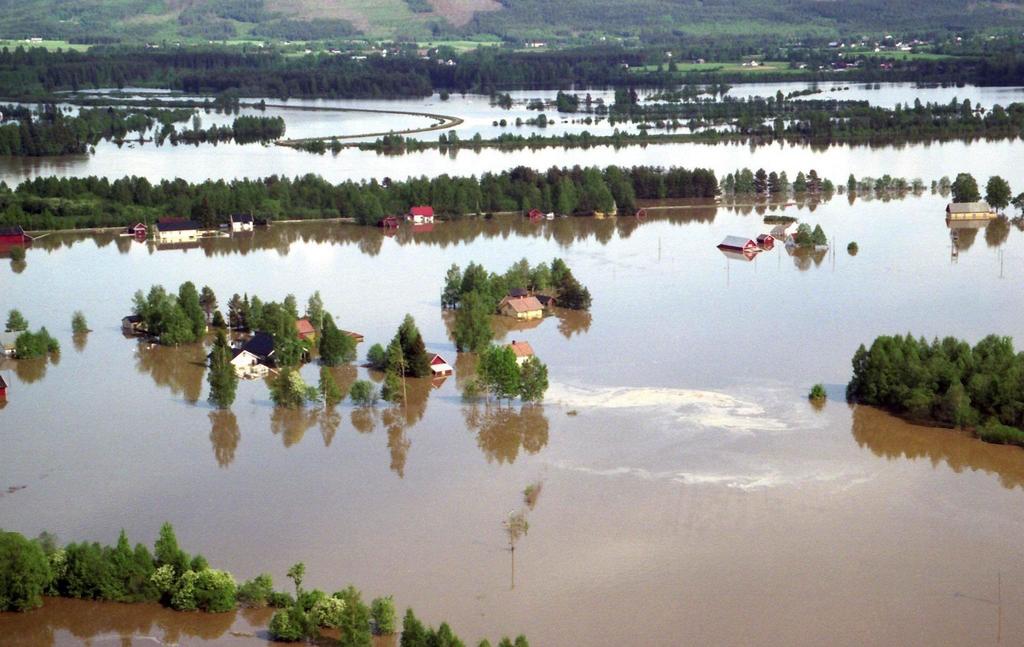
[738, 244]
[420, 215]
[389, 222]
[14, 236]
[3, 388]
[439, 367]
[766, 241]
[535, 214]
[138, 230]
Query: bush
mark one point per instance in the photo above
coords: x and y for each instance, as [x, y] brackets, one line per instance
[363, 393]
[29, 345]
[257, 591]
[376, 357]
[327, 612]
[993, 432]
[383, 612]
[78, 323]
[287, 626]
[215, 591]
[852, 249]
[817, 392]
[24, 573]
[280, 599]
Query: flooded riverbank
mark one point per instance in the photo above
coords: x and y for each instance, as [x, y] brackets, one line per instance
[691, 494]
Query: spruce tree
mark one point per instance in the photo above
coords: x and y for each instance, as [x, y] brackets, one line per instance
[223, 380]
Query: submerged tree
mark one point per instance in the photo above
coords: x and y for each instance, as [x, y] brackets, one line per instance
[222, 378]
[78, 324]
[16, 322]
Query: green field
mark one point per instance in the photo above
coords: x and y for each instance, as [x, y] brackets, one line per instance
[776, 67]
[46, 44]
[902, 56]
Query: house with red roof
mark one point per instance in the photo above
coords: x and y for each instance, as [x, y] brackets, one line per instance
[305, 330]
[439, 366]
[521, 307]
[522, 350]
[420, 215]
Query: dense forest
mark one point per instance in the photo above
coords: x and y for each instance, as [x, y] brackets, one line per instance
[947, 382]
[56, 203]
[212, 70]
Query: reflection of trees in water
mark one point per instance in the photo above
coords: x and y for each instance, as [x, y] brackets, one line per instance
[501, 431]
[18, 266]
[79, 340]
[997, 231]
[364, 419]
[890, 437]
[291, 424]
[573, 322]
[966, 238]
[804, 258]
[398, 445]
[87, 621]
[179, 368]
[224, 436]
[330, 420]
[465, 368]
[33, 370]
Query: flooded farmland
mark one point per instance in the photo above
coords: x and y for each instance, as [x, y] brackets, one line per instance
[691, 494]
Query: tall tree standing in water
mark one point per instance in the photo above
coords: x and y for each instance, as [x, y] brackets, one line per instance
[222, 378]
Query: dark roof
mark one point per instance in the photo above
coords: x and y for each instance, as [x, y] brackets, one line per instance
[241, 217]
[132, 319]
[3, 383]
[545, 299]
[518, 292]
[12, 231]
[261, 344]
[177, 226]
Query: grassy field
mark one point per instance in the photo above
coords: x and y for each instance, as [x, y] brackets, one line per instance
[778, 67]
[459, 45]
[47, 44]
[903, 56]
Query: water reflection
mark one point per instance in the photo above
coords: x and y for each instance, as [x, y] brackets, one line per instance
[224, 436]
[804, 258]
[105, 622]
[892, 438]
[179, 368]
[33, 370]
[997, 231]
[292, 424]
[502, 430]
[79, 340]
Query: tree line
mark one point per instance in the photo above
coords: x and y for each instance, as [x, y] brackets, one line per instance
[33, 568]
[946, 382]
[57, 203]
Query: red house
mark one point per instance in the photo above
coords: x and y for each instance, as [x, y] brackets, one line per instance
[304, 329]
[738, 244]
[766, 241]
[389, 222]
[138, 230]
[535, 214]
[420, 215]
[439, 367]
[3, 388]
[14, 236]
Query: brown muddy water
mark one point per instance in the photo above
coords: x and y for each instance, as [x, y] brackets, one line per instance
[691, 494]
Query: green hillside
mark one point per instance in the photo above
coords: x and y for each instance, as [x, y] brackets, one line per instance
[98, 21]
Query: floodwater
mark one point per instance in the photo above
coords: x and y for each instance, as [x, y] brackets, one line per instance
[193, 163]
[691, 494]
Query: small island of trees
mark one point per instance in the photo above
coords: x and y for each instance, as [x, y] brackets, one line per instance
[945, 382]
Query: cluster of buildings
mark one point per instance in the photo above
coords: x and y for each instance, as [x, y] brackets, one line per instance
[184, 230]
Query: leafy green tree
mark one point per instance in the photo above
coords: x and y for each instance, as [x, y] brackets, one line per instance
[452, 287]
[383, 612]
[997, 193]
[208, 302]
[498, 372]
[288, 625]
[472, 328]
[965, 188]
[290, 391]
[24, 573]
[78, 324]
[336, 347]
[355, 620]
[533, 380]
[377, 358]
[16, 322]
[188, 298]
[415, 363]
[363, 393]
[414, 634]
[330, 392]
[315, 310]
[222, 377]
[256, 592]
[29, 345]
[328, 612]
[167, 553]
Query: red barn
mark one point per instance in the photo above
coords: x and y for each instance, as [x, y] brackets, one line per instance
[738, 244]
[535, 214]
[14, 236]
[439, 367]
[138, 230]
[420, 215]
[766, 241]
[389, 222]
[3, 388]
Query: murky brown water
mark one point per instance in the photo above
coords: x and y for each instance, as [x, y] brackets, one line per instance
[690, 492]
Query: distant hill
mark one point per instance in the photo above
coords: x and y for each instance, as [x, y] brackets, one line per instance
[156, 20]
